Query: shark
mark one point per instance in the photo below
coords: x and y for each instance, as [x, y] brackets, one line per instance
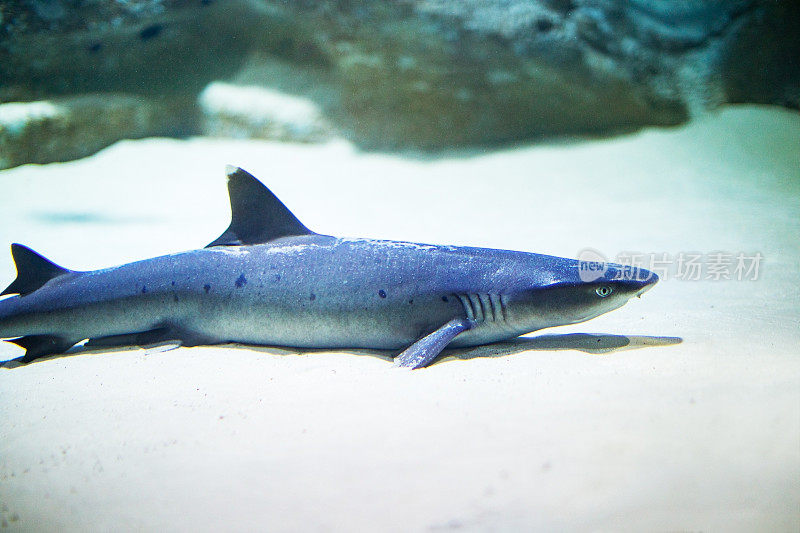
[269, 280]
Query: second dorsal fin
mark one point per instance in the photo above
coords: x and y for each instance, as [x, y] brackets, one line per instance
[257, 216]
[33, 271]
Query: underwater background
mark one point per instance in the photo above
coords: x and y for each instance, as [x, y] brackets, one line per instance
[663, 133]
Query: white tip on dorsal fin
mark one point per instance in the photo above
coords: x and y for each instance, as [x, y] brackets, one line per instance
[257, 216]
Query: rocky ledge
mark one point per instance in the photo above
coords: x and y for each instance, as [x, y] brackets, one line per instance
[422, 74]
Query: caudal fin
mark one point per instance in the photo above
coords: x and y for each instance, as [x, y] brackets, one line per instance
[33, 271]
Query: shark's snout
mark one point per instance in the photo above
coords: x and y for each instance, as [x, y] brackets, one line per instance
[647, 286]
[632, 281]
[646, 279]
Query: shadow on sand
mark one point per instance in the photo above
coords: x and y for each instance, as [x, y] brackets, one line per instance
[596, 344]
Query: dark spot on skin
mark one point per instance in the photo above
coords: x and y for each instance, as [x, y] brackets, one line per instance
[144, 289]
[175, 297]
[445, 299]
[312, 297]
[277, 277]
[151, 31]
[206, 287]
[241, 281]
[382, 293]
[94, 47]
[173, 283]
[411, 302]
[544, 25]
[206, 2]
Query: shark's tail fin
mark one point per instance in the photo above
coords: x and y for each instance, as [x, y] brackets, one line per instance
[33, 271]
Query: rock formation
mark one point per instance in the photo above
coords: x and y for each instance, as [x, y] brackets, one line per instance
[421, 74]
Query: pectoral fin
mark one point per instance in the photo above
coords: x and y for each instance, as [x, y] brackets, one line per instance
[425, 350]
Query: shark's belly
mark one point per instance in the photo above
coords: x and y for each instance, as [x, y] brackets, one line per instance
[322, 321]
[338, 319]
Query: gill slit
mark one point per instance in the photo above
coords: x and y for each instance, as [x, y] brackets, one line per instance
[467, 305]
[484, 307]
[477, 306]
[504, 306]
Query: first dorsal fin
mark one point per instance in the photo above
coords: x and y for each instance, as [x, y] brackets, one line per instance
[33, 271]
[257, 216]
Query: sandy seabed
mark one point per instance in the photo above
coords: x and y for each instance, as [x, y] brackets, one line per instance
[678, 412]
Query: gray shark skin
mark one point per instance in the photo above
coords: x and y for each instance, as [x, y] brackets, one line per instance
[269, 280]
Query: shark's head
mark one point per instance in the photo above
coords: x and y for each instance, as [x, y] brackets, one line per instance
[571, 296]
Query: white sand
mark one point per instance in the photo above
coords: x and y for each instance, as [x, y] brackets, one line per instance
[548, 435]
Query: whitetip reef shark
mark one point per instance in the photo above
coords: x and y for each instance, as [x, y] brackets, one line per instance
[269, 280]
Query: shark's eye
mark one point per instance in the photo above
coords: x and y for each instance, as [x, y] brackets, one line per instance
[603, 291]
